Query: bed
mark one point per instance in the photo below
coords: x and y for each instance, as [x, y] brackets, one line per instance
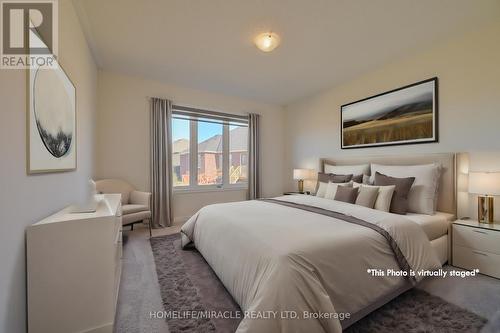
[301, 263]
[436, 227]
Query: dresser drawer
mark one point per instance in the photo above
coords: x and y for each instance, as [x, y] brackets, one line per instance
[476, 238]
[487, 263]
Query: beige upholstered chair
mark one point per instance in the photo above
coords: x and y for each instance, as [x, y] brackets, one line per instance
[136, 205]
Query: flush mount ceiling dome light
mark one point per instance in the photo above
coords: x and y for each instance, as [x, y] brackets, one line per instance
[267, 41]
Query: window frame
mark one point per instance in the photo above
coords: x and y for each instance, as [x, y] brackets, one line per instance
[193, 186]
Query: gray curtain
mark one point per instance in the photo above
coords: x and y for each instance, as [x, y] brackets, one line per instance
[253, 157]
[161, 162]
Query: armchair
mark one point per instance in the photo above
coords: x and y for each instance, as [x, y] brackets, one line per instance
[136, 205]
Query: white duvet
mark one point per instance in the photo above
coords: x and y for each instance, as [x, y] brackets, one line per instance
[279, 262]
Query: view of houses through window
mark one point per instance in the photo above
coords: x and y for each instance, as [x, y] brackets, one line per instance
[238, 154]
[180, 151]
[211, 152]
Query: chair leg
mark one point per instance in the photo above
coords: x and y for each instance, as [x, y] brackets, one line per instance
[150, 231]
[131, 227]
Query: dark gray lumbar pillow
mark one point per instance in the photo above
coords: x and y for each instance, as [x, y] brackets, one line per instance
[330, 177]
[399, 203]
[357, 178]
[346, 194]
[367, 196]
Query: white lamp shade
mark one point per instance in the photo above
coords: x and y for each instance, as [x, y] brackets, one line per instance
[487, 183]
[301, 174]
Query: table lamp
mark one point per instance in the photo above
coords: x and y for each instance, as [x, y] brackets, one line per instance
[300, 175]
[486, 184]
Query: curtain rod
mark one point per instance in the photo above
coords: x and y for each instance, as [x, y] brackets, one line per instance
[209, 112]
[197, 110]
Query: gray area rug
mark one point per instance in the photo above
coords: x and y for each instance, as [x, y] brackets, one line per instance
[417, 311]
[188, 283]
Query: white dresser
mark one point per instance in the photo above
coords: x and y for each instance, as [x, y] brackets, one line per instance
[477, 245]
[74, 268]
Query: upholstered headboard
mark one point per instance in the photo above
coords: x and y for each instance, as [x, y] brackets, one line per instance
[447, 189]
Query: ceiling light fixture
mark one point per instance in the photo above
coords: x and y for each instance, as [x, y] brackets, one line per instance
[267, 41]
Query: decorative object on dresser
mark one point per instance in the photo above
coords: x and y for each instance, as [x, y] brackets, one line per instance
[486, 184]
[136, 205]
[477, 246]
[88, 204]
[300, 175]
[73, 269]
[51, 118]
[406, 115]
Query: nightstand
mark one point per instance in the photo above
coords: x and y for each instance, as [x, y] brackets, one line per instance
[477, 245]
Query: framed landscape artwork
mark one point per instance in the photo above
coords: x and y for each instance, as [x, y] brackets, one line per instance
[407, 115]
[51, 119]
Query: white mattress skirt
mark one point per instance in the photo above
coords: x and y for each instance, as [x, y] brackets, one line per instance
[440, 246]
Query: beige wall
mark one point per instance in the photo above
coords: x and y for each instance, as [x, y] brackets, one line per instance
[468, 68]
[26, 199]
[123, 135]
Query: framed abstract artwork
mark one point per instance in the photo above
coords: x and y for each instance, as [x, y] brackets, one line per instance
[407, 115]
[51, 120]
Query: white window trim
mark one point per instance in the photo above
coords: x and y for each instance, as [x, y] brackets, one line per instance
[207, 188]
[193, 186]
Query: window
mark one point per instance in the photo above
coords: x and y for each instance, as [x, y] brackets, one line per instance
[209, 153]
[238, 151]
[210, 149]
[180, 151]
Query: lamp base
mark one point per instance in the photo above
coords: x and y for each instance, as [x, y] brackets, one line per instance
[485, 209]
[301, 186]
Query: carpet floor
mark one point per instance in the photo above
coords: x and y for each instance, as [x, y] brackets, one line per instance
[189, 286]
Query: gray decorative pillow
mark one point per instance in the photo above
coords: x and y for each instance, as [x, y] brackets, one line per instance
[399, 203]
[331, 189]
[367, 196]
[340, 178]
[330, 177]
[357, 178]
[346, 194]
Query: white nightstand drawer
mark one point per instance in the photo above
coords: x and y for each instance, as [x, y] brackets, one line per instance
[477, 238]
[487, 263]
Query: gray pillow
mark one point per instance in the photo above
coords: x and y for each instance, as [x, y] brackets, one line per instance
[357, 178]
[367, 196]
[346, 194]
[330, 177]
[399, 203]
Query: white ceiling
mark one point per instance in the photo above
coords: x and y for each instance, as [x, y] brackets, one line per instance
[207, 44]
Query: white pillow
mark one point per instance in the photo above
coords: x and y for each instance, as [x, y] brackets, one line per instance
[423, 195]
[367, 180]
[384, 197]
[331, 189]
[321, 190]
[361, 169]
